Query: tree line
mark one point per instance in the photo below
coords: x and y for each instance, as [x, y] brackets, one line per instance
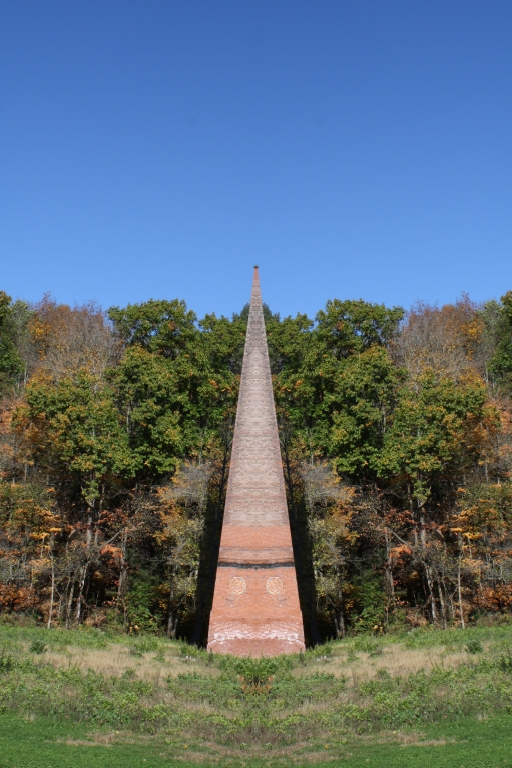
[115, 438]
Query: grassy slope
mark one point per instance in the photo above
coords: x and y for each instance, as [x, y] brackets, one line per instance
[424, 698]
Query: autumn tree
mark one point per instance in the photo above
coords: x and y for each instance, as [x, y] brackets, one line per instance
[11, 365]
[501, 362]
[115, 439]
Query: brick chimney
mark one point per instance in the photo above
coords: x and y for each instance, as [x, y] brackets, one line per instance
[256, 610]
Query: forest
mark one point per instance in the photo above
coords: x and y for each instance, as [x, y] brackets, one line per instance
[396, 436]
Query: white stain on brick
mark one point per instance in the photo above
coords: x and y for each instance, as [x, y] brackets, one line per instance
[228, 632]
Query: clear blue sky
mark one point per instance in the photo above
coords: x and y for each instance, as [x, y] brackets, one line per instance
[159, 149]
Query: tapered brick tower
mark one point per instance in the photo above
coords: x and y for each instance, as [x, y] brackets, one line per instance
[256, 610]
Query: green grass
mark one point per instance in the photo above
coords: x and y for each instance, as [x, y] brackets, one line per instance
[425, 697]
[43, 743]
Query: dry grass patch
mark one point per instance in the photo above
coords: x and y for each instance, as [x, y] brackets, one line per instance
[396, 659]
[115, 660]
[83, 743]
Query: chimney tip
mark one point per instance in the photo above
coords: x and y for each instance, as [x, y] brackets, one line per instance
[256, 266]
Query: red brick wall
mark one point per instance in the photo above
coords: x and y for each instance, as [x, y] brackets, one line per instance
[256, 609]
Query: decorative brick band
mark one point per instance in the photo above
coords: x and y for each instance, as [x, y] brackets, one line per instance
[255, 613]
[291, 564]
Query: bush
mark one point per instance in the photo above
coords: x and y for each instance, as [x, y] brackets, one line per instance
[505, 661]
[256, 672]
[144, 645]
[37, 646]
[371, 602]
[6, 662]
[474, 646]
[142, 603]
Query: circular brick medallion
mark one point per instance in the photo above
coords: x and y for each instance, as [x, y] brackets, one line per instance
[237, 585]
[274, 585]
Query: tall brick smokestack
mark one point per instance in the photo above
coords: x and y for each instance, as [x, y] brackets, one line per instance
[256, 610]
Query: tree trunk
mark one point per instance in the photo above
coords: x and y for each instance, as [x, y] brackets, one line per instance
[430, 585]
[172, 616]
[339, 621]
[81, 584]
[460, 594]
[442, 603]
[71, 589]
[123, 577]
[88, 535]
[339, 618]
[52, 593]
[389, 568]
[172, 624]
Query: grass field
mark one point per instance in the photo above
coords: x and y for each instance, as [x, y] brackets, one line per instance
[85, 698]
[43, 743]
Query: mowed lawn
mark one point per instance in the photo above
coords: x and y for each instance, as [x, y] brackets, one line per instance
[41, 743]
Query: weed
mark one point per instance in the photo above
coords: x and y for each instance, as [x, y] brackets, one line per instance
[505, 661]
[37, 646]
[6, 661]
[368, 645]
[190, 652]
[256, 674]
[322, 651]
[144, 645]
[474, 646]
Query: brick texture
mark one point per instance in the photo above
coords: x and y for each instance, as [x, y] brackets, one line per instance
[256, 610]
